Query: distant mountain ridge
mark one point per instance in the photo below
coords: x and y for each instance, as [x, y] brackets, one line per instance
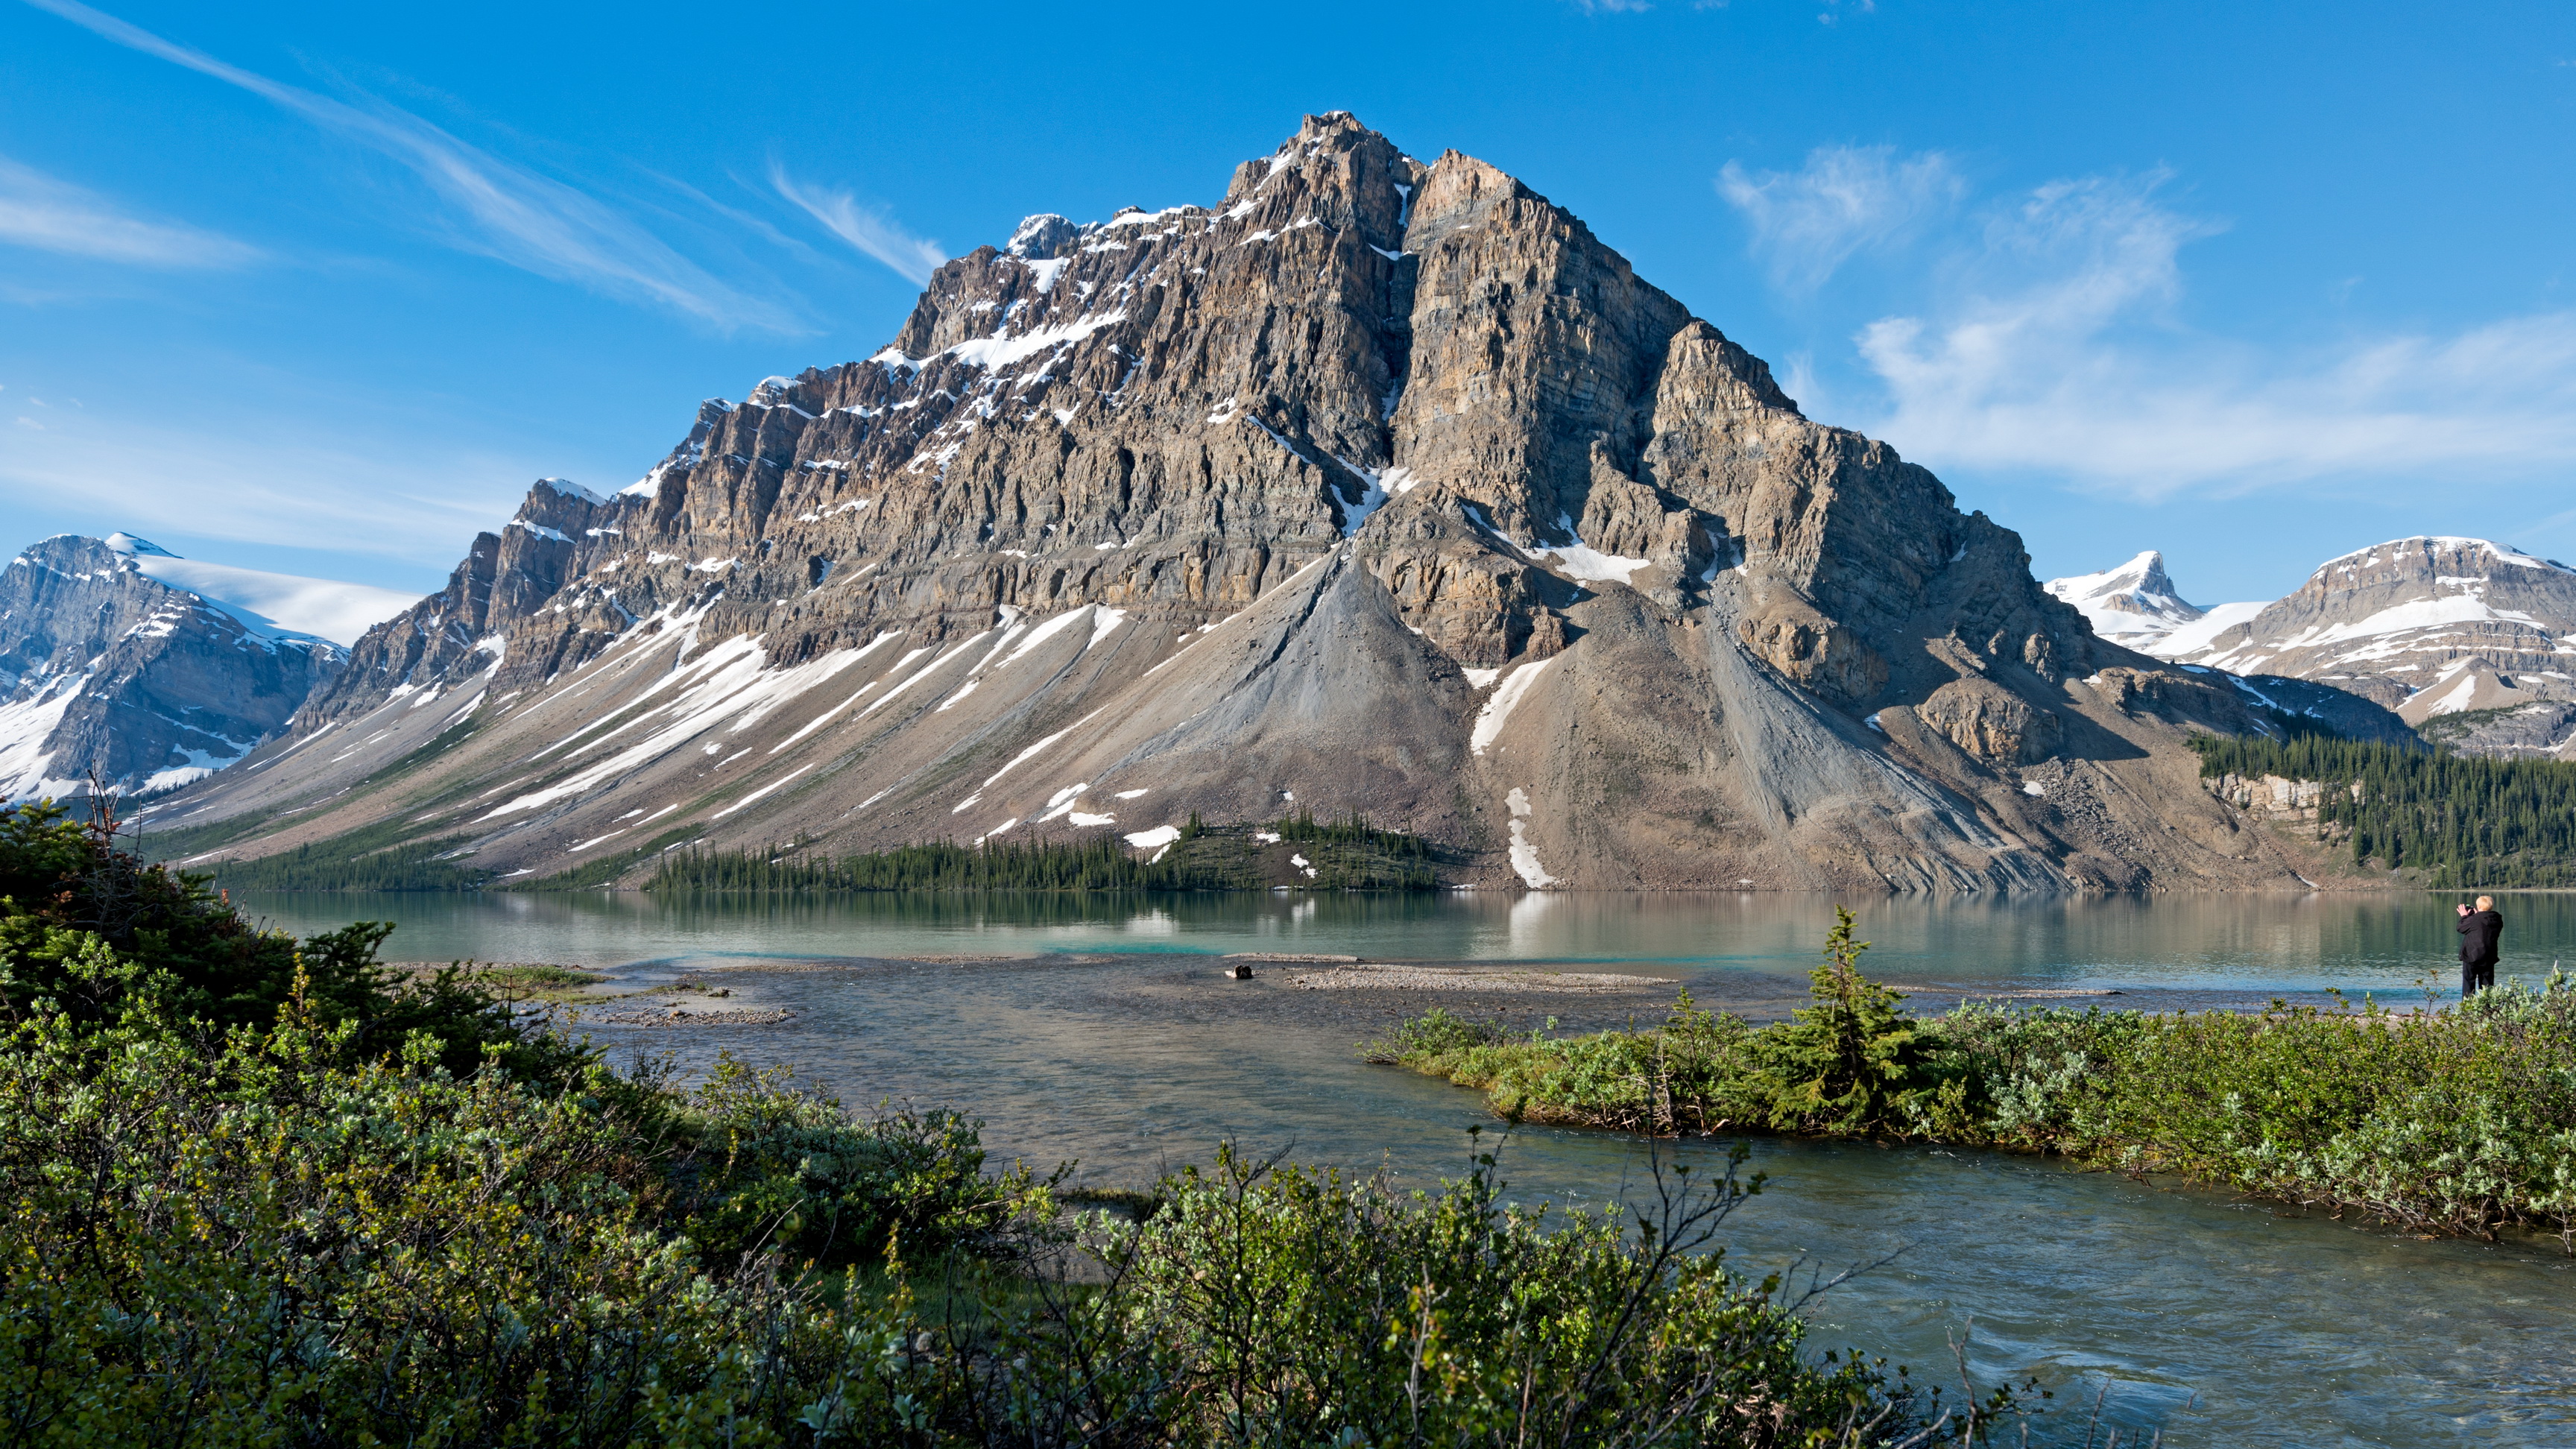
[2470, 640]
[1377, 485]
[120, 657]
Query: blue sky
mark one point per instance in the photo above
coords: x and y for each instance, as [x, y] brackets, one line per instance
[321, 288]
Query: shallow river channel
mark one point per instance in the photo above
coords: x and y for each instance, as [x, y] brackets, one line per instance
[1115, 1041]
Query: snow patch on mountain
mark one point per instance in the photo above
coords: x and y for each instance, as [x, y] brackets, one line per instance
[2191, 640]
[2135, 604]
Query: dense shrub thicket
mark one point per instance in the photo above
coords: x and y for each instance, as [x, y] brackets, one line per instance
[2461, 1120]
[2461, 820]
[257, 1192]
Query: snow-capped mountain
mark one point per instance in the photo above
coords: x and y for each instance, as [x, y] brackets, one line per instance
[272, 605]
[1379, 484]
[120, 657]
[2431, 627]
[2134, 605]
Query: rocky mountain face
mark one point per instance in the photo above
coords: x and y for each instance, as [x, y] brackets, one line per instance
[2473, 642]
[105, 667]
[1378, 485]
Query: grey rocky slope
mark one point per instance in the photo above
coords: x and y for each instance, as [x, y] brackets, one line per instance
[2470, 640]
[106, 669]
[1378, 485]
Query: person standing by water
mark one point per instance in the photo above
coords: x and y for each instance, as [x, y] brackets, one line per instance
[2478, 932]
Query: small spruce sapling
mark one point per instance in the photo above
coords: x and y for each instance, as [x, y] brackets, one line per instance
[1854, 1062]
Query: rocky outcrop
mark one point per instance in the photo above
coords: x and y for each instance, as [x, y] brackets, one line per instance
[106, 670]
[1379, 485]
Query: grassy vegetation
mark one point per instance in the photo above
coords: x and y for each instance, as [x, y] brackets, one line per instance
[179, 842]
[2458, 820]
[2456, 1121]
[266, 1192]
[1346, 854]
[604, 869]
[520, 981]
[379, 857]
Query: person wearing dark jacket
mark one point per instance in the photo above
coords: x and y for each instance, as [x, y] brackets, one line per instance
[2478, 932]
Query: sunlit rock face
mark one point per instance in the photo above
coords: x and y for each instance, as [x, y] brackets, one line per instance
[1378, 483]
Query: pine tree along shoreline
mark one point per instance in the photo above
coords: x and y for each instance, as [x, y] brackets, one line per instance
[2413, 817]
[1298, 851]
[2445, 821]
[255, 1190]
[2458, 1121]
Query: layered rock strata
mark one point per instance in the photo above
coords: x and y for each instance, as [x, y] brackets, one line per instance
[1378, 484]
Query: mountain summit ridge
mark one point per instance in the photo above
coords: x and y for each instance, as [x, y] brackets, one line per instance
[1378, 485]
[2430, 626]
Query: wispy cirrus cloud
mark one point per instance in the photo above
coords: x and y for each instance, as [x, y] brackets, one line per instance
[41, 212]
[501, 210]
[275, 481]
[2048, 338]
[865, 228]
[1847, 199]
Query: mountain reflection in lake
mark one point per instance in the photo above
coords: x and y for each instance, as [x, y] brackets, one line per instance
[2221, 1322]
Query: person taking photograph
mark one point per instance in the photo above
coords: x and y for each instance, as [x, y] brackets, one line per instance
[2479, 930]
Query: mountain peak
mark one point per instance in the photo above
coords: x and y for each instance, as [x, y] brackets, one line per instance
[2489, 624]
[2426, 556]
[122, 660]
[131, 546]
[2134, 604]
[1385, 484]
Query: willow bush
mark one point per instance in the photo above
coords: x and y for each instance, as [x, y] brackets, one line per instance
[2460, 1120]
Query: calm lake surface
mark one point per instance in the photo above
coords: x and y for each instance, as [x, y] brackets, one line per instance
[2217, 1321]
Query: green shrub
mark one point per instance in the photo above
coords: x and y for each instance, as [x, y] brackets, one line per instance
[90, 930]
[1292, 1306]
[337, 1226]
[1854, 1063]
[2462, 1120]
[257, 1239]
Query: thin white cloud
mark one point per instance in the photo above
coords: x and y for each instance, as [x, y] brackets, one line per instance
[40, 212]
[912, 258]
[342, 491]
[509, 212]
[2054, 350]
[1846, 199]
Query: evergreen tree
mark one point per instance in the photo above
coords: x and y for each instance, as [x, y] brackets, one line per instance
[1853, 1063]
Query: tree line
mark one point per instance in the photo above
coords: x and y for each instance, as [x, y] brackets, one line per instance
[2461, 820]
[1344, 854]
